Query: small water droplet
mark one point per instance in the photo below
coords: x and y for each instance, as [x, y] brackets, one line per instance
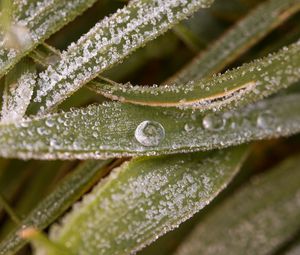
[50, 123]
[265, 119]
[149, 133]
[213, 122]
[188, 127]
[95, 134]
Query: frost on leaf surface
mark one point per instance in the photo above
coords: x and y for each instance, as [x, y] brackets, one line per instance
[92, 132]
[108, 42]
[145, 198]
[32, 22]
[257, 219]
[18, 90]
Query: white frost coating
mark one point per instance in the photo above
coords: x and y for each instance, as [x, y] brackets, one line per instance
[108, 43]
[256, 220]
[16, 98]
[39, 18]
[144, 199]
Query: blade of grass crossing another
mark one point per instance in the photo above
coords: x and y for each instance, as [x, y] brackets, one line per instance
[145, 198]
[237, 87]
[108, 43]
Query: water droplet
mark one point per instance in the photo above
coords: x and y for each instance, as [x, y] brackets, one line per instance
[149, 133]
[50, 123]
[213, 122]
[188, 127]
[265, 119]
[95, 134]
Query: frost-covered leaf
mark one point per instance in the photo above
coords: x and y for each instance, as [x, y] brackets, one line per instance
[32, 22]
[56, 203]
[255, 220]
[18, 90]
[114, 130]
[258, 23]
[248, 83]
[145, 198]
[108, 43]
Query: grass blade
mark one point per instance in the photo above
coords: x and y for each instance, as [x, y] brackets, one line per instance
[19, 86]
[249, 30]
[256, 220]
[32, 22]
[246, 84]
[92, 132]
[56, 203]
[144, 198]
[108, 43]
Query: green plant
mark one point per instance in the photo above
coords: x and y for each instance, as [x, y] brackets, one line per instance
[152, 156]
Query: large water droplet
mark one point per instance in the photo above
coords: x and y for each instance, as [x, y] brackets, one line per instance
[265, 119]
[149, 133]
[213, 122]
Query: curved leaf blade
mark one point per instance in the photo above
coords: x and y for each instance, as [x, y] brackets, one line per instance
[256, 220]
[249, 30]
[144, 198]
[243, 85]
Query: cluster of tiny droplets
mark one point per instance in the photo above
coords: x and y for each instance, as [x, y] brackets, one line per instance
[193, 189]
[17, 97]
[230, 236]
[109, 42]
[86, 133]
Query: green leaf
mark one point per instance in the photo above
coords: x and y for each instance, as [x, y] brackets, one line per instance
[145, 198]
[255, 220]
[248, 31]
[34, 21]
[245, 84]
[18, 90]
[116, 130]
[108, 43]
[56, 203]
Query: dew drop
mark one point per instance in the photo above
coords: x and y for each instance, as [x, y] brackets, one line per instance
[50, 123]
[149, 133]
[265, 119]
[188, 127]
[95, 134]
[213, 122]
